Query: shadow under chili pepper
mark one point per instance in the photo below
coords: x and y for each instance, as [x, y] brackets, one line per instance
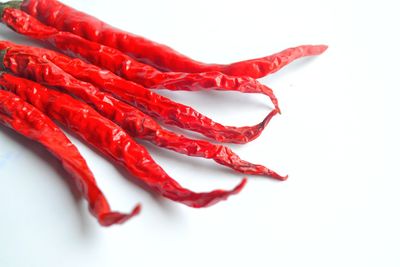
[214, 98]
[40, 152]
[293, 67]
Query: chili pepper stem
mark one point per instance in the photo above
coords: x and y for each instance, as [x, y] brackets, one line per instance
[10, 4]
[2, 55]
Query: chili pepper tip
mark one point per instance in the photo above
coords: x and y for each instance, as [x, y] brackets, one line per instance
[205, 200]
[267, 119]
[111, 218]
[239, 187]
[276, 176]
[284, 178]
[321, 49]
[251, 134]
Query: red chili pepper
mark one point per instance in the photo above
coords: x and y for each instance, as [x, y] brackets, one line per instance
[123, 65]
[23, 118]
[112, 141]
[130, 119]
[152, 104]
[65, 18]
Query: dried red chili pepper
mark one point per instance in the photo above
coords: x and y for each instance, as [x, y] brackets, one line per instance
[123, 65]
[112, 141]
[149, 102]
[130, 119]
[26, 120]
[65, 18]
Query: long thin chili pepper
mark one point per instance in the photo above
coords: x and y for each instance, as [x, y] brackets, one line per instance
[65, 18]
[23, 118]
[112, 141]
[130, 119]
[125, 66]
[149, 102]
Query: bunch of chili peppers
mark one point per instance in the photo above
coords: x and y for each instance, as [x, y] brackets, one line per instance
[99, 88]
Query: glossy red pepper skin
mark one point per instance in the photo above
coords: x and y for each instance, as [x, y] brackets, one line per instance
[26, 120]
[65, 18]
[130, 119]
[111, 140]
[125, 66]
[156, 105]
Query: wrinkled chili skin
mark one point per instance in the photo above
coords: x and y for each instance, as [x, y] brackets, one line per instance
[26, 120]
[163, 108]
[127, 67]
[112, 141]
[65, 18]
[130, 119]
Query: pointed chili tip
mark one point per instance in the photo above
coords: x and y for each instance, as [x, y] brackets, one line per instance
[234, 191]
[275, 175]
[112, 218]
[239, 187]
[204, 200]
[267, 119]
[136, 210]
[251, 132]
[257, 129]
[284, 178]
[319, 49]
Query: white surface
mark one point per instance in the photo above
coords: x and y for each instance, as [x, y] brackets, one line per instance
[337, 139]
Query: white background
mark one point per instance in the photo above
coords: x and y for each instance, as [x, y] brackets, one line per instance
[337, 139]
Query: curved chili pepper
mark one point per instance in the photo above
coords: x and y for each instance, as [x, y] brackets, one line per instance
[130, 119]
[112, 141]
[174, 113]
[65, 18]
[26, 120]
[123, 65]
